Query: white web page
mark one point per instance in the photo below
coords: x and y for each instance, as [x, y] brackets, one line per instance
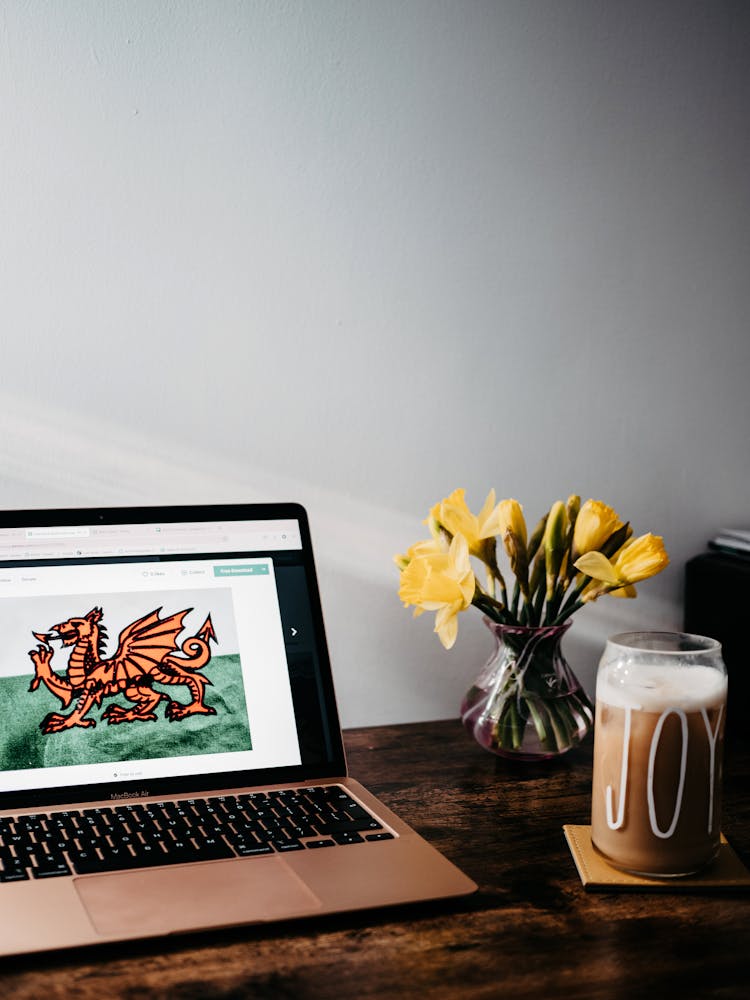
[238, 594]
[158, 538]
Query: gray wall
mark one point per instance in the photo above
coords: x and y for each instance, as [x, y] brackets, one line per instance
[357, 254]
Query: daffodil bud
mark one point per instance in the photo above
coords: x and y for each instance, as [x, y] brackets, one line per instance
[537, 574]
[511, 527]
[573, 506]
[554, 543]
[510, 517]
[519, 562]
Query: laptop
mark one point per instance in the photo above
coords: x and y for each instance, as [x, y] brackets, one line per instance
[170, 752]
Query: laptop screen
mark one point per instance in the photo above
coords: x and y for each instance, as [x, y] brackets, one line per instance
[155, 650]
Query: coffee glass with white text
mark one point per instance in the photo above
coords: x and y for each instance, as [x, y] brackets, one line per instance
[658, 747]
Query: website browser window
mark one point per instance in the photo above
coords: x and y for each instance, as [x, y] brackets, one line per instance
[138, 652]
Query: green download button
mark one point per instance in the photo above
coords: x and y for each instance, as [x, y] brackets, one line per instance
[251, 569]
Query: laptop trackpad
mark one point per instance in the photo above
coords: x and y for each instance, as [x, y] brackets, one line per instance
[191, 897]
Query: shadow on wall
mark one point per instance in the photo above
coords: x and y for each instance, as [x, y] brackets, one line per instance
[388, 667]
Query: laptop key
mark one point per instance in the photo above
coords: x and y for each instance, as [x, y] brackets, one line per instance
[348, 838]
[348, 826]
[51, 868]
[252, 850]
[90, 863]
[15, 873]
[213, 849]
[284, 846]
[320, 843]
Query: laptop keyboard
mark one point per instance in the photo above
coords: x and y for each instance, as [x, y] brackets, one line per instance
[117, 838]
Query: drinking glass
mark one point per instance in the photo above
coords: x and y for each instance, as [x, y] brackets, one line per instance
[658, 744]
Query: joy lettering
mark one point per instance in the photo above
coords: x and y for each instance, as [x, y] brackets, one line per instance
[616, 820]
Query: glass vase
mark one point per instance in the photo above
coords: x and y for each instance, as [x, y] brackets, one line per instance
[527, 704]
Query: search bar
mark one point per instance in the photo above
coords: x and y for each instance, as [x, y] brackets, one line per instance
[72, 532]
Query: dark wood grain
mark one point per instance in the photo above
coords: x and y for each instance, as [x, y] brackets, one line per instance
[531, 930]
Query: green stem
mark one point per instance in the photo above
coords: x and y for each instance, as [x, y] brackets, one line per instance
[536, 608]
[551, 610]
[560, 725]
[582, 704]
[572, 599]
[494, 609]
[517, 726]
[565, 612]
[565, 707]
[516, 595]
[504, 727]
[540, 726]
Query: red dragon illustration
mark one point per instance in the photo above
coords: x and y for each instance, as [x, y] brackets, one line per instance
[145, 656]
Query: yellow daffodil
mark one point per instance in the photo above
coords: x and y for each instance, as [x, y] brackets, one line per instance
[641, 558]
[430, 546]
[453, 514]
[596, 522]
[442, 582]
[572, 538]
[638, 559]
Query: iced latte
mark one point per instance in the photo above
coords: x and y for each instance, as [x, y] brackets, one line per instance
[658, 741]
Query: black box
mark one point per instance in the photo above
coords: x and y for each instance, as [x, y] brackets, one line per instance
[717, 604]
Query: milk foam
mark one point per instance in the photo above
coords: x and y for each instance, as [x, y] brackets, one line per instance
[654, 687]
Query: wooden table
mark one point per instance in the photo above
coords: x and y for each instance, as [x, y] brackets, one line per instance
[531, 931]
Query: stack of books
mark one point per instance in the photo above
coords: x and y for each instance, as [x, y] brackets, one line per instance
[734, 541]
